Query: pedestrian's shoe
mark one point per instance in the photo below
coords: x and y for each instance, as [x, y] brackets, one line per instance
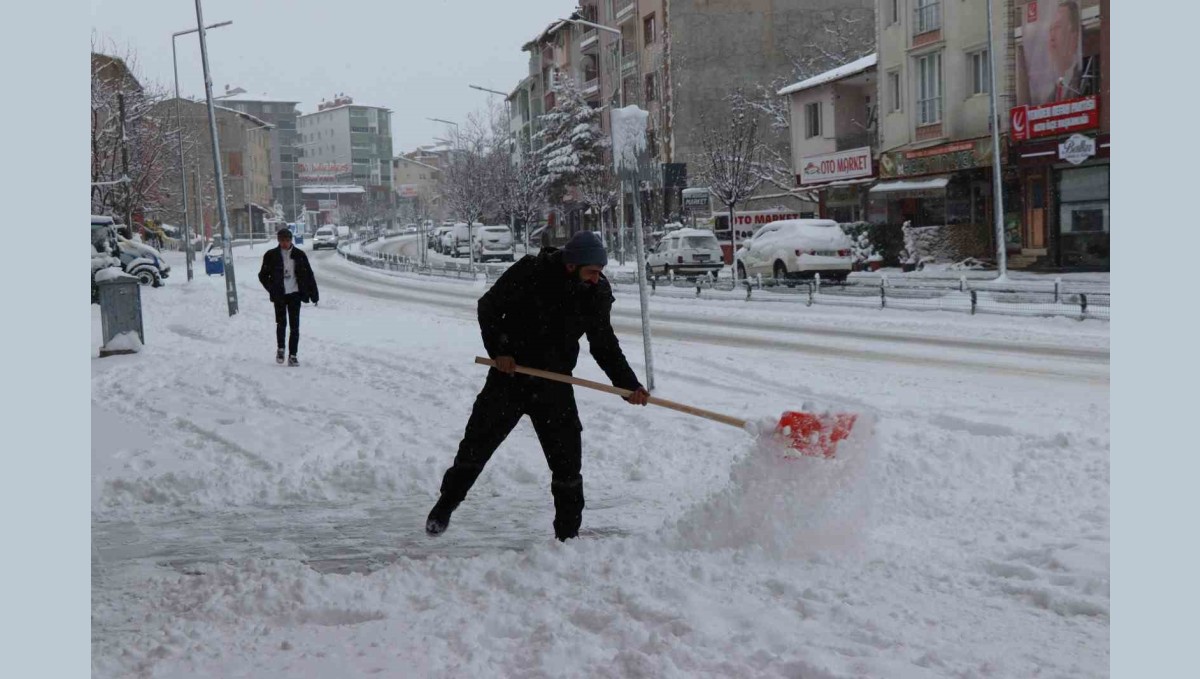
[279, 356]
[439, 518]
[292, 362]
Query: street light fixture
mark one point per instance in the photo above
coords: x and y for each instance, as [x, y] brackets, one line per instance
[189, 256]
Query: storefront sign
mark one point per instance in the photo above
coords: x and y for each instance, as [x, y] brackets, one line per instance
[851, 164]
[1031, 122]
[408, 190]
[947, 158]
[1076, 149]
[326, 204]
[696, 200]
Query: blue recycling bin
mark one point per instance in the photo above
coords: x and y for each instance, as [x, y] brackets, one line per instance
[214, 262]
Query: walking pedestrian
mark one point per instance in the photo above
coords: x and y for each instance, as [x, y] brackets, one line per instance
[534, 316]
[288, 279]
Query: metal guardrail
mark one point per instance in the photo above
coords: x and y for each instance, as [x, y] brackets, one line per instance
[1058, 298]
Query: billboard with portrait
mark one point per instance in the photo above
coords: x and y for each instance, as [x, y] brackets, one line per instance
[1051, 56]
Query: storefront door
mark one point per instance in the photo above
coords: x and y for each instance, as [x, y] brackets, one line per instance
[1034, 235]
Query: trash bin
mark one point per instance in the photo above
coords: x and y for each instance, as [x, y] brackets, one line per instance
[120, 312]
[214, 262]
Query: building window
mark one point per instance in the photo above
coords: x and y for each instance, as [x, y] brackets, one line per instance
[927, 17]
[894, 91]
[929, 89]
[895, 16]
[980, 76]
[812, 120]
[650, 87]
[649, 32]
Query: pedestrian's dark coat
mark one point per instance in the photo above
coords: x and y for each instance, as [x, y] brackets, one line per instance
[271, 275]
[537, 311]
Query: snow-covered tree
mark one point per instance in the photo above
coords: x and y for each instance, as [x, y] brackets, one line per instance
[525, 191]
[731, 161]
[832, 38]
[572, 142]
[129, 139]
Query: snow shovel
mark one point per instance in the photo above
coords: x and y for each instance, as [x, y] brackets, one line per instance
[806, 433]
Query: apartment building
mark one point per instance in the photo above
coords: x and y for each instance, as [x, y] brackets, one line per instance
[283, 116]
[415, 184]
[347, 145]
[1060, 131]
[245, 147]
[935, 159]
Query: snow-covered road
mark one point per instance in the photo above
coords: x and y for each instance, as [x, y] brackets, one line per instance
[252, 520]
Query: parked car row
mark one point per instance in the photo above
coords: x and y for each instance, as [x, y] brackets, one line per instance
[483, 241]
[782, 250]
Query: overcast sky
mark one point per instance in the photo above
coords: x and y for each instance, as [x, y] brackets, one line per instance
[415, 57]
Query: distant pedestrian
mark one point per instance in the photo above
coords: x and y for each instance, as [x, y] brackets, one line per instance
[288, 279]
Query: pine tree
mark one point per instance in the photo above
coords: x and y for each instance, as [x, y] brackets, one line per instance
[573, 144]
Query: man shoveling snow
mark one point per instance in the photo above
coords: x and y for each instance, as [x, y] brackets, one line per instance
[534, 316]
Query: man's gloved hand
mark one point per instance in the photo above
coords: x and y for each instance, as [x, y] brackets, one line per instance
[506, 365]
[639, 397]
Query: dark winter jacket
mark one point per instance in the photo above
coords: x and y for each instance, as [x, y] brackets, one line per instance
[537, 311]
[271, 275]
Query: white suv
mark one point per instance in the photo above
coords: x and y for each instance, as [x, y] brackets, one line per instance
[494, 242]
[797, 248]
[325, 237]
[685, 252]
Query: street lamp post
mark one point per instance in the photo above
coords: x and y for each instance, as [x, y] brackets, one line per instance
[189, 256]
[227, 245]
[246, 182]
[512, 219]
[997, 184]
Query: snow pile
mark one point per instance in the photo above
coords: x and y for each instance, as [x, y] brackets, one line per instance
[787, 505]
[126, 341]
[112, 273]
[629, 136]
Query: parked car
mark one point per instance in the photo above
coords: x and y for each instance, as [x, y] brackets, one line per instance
[325, 237]
[494, 242]
[457, 241]
[142, 261]
[105, 249]
[435, 238]
[686, 252]
[797, 248]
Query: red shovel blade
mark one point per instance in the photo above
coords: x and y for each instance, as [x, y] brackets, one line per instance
[816, 435]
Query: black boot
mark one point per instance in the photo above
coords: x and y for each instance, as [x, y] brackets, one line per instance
[439, 517]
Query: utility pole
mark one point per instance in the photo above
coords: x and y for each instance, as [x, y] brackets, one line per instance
[230, 283]
[125, 164]
[997, 184]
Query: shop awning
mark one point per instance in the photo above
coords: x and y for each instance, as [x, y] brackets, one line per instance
[931, 184]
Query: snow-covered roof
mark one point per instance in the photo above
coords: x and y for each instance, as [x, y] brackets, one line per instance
[549, 31]
[253, 98]
[416, 162]
[843, 71]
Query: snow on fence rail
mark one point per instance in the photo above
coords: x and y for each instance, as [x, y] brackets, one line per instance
[1071, 299]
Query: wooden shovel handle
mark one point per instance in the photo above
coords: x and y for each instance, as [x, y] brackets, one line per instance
[654, 400]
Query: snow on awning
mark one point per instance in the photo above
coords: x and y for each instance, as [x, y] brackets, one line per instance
[932, 184]
[844, 71]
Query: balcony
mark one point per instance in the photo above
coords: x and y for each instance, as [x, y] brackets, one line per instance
[856, 140]
[590, 39]
[626, 11]
[927, 23]
[591, 84]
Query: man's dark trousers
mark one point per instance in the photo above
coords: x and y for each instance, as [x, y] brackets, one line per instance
[288, 312]
[498, 408]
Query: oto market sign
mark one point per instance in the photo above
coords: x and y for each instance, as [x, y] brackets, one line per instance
[830, 167]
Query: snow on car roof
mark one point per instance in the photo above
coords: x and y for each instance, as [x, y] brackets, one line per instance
[692, 232]
[804, 222]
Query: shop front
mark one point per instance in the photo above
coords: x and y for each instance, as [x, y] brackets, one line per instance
[950, 186]
[840, 181]
[1065, 216]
